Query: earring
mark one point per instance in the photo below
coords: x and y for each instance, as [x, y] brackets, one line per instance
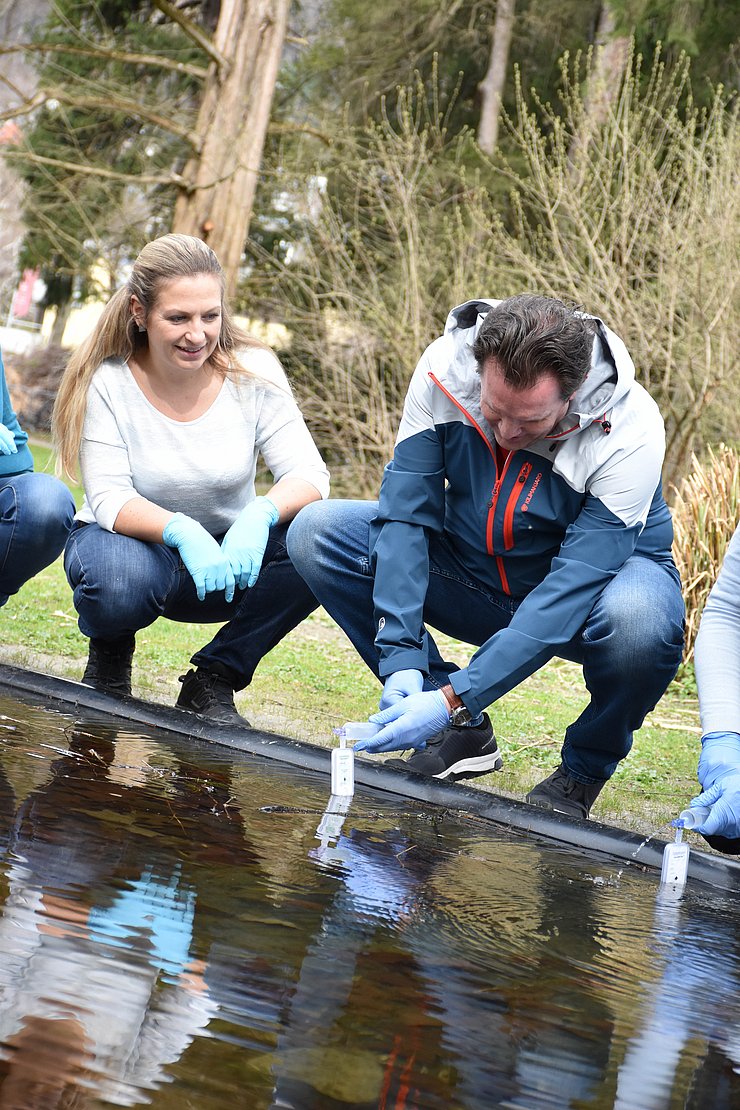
[139, 325]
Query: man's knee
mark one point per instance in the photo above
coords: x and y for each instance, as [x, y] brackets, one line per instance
[304, 531]
[327, 533]
[639, 623]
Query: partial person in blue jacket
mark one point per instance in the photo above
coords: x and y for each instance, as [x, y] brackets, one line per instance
[717, 663]
[522, 511]
[36, 510]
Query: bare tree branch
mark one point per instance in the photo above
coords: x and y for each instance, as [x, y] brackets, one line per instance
[25, 109]
[280, 127]
[107, 55]
[107, 104]
[192, 31]
[95, 171]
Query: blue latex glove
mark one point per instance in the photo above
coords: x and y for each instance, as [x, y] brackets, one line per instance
[245, 542]
[208, 566]
[724, 798]
[399, 685]
[409, 723]
[7, 442]
[719, 775]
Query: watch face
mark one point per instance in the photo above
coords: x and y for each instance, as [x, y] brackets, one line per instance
[461, 715]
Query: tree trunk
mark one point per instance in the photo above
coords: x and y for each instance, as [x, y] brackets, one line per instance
[59, 326]
[492, 85]
[607, 69]
[216, 203]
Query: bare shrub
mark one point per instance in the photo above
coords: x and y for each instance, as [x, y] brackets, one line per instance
[33, 380]
[706, 511]
[638, 220]
[389, 251]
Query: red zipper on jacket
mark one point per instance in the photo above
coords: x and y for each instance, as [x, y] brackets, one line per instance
[495, 491]
[514, 496]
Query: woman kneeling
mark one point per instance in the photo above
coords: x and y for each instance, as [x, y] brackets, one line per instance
[167, 407]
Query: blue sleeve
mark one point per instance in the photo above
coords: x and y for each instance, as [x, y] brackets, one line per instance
[21, 463]
[596, 545]
[412, 503]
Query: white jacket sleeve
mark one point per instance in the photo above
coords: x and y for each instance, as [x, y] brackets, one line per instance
[717, 652]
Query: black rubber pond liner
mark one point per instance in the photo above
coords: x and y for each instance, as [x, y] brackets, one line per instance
[590, 836]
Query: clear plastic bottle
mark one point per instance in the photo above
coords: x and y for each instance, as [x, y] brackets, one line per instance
[357, 730]
[691, 817]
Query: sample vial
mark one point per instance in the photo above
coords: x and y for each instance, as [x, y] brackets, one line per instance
[342, 770]
[675, 864]
[691, 817]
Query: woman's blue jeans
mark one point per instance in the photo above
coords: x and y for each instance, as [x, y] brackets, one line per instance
[630, 646]
[122, 585]
[36, 512]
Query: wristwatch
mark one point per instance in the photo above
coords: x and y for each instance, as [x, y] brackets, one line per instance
[461, 715]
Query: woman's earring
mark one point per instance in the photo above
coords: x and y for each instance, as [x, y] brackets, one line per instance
[140, 325]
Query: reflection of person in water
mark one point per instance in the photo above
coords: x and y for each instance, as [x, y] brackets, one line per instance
[96, 945]
[417, 938]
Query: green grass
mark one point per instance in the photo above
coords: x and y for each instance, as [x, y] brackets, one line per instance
[314, 681]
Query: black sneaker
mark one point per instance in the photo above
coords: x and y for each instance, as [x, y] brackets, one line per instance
[564, 794]
[210, 696]
[109, 666]
[457, 752]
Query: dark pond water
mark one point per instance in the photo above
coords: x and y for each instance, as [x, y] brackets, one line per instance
[172, 934]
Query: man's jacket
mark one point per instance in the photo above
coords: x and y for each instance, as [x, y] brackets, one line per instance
[552, 526]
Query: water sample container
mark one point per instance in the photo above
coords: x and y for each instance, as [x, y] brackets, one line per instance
[342, 771]
[675, 865]
[691, 817]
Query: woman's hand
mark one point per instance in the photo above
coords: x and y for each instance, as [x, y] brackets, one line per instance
[208, 565]
[245, 542]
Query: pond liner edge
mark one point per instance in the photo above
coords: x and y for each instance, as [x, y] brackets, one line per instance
[589, 835]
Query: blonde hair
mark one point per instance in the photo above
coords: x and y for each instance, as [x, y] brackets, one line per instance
[117, 336]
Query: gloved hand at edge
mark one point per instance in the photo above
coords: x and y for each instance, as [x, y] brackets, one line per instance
[245, 542]
[724, 799]
[8, 446]
[208, 566]
[400, 684]
[719, 775]
[409, 723]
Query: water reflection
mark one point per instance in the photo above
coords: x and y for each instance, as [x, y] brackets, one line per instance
[174, 933]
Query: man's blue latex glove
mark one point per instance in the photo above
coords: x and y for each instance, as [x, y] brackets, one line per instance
[7, 442]
[409, 723]
[245, 542]
[399, 685]
[719, 775]
[208, 566]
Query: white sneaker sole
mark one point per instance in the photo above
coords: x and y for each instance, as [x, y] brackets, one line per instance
[472, 768]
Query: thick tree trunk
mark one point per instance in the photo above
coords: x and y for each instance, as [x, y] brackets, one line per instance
[492, 85]
[216, 203]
